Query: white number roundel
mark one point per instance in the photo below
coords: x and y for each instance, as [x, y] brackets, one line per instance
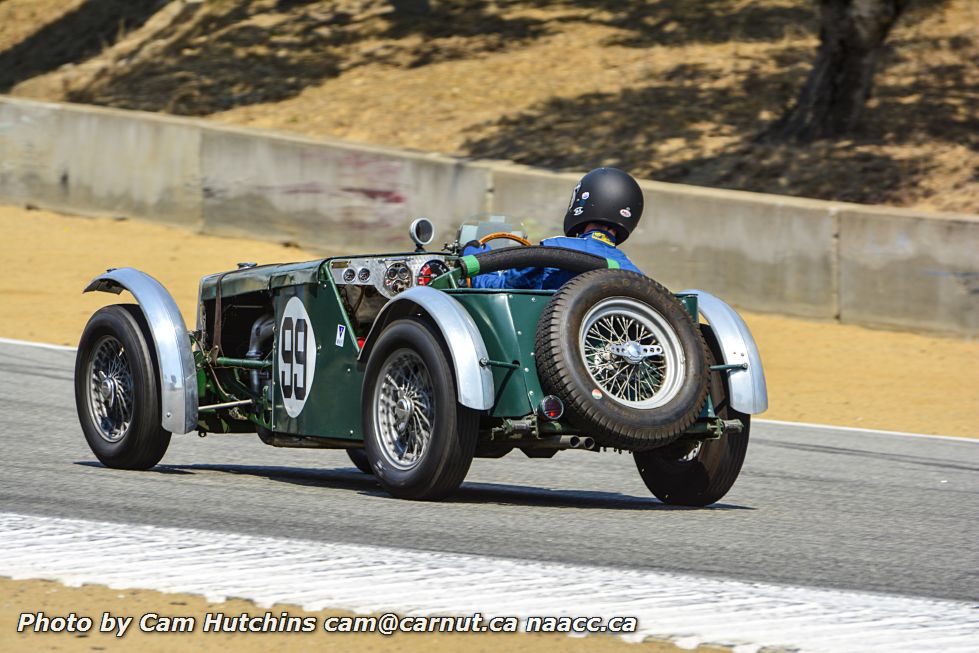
[297, 356]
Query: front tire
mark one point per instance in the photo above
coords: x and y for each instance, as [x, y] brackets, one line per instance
[117, 393]
[359, 458]
[418, 439]
[699, 474]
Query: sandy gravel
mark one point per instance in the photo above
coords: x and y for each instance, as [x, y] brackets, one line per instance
[817, 372]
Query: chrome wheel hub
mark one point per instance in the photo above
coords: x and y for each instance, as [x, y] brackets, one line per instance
[402, 413]
[691, 455]
[107, 389]
[635, 353]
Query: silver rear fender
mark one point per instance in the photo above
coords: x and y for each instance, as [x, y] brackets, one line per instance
[749, 392]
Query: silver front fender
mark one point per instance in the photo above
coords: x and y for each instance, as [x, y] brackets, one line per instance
[178, 374]
[474, 382]
[749, 393]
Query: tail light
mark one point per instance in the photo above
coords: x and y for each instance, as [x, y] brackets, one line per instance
[551, 408]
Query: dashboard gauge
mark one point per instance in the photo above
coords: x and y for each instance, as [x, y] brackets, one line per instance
[364, 275]
[430, 271]
[349, 275]
[397, 277]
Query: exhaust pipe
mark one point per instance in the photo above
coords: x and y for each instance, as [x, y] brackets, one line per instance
[302, 442]
[561, 442]
[261, 335]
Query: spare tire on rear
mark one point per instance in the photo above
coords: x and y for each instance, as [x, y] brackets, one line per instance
[625, 357]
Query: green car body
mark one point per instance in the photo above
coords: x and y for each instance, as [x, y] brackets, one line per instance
[286, 351]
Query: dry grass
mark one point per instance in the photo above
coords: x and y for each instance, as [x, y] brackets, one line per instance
[669, 89]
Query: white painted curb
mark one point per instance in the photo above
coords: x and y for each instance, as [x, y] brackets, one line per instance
[854, 429]
[689, 610]
[39, 345]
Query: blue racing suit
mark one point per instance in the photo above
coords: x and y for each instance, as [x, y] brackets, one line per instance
[597, 242]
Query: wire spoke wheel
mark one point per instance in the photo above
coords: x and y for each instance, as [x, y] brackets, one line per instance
[110, 389]
[631, 353]
[404, 409]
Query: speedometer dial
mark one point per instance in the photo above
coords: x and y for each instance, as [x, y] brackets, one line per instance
[431, 270]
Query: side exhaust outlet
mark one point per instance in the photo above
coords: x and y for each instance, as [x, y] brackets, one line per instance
[562, 442]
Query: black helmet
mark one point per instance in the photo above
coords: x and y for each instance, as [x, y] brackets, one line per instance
[606, 195]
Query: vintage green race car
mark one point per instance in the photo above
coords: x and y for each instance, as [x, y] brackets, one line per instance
[396, 359]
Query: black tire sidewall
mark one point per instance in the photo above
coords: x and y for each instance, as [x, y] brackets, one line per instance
[359, 458]
[145, 441]
[451, 447]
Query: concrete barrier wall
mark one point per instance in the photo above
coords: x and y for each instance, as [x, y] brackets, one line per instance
[325, 196]
[909, 270]
[225, 180]
[91, 160]
[864, 265]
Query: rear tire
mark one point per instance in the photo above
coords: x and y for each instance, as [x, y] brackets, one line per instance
[418, 439]
[683, 474]
[117, 393]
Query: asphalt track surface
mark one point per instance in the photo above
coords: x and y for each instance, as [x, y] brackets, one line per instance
[815, 507]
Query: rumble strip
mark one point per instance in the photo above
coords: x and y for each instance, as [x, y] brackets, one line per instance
[686, 609]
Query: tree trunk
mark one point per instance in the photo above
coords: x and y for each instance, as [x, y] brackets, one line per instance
[420, 7]
[851, 35]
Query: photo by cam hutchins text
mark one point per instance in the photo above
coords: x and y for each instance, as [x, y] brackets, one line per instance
[386, 624]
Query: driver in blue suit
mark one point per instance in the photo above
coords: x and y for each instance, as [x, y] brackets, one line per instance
[605, 208]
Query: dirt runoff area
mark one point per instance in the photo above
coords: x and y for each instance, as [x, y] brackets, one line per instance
[56, 600]
[817, 372]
